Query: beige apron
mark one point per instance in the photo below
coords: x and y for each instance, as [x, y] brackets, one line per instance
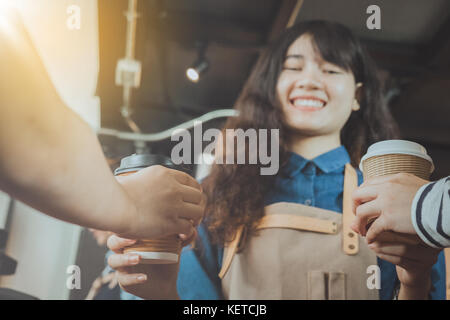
[301, 253]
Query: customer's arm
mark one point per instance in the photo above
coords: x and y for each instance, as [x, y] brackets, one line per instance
[404, 203]
[430, 213]
[51, 160]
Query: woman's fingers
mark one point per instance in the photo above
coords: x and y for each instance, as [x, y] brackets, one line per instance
[126, 279]
[405, 263]
[191, 213]
[186, 240]
[188, 228]
[417, 254]
[117, 244]
[365, 212]
[392, 237]
[192, 195]
[377, 227]
[362, 195]
[121, 261]
[186, 179]
[125, 273]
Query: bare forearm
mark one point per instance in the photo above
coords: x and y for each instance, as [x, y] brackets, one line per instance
[412, 294]
[49, 158]
[419, 292]
[56, 165]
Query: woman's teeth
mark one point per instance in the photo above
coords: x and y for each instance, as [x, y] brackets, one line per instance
[308, 103]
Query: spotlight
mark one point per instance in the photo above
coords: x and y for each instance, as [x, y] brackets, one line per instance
[200, 67]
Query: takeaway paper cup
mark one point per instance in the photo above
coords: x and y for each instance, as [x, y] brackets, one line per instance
[396, 156]
[164, 250]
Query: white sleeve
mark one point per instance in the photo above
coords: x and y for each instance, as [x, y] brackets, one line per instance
[430, 213]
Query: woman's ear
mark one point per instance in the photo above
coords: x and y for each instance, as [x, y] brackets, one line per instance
[358, 93]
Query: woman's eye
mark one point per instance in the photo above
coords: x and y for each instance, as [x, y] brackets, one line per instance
[331, 71]
[292, 68]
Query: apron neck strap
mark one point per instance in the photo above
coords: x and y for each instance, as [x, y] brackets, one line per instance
[350, 240]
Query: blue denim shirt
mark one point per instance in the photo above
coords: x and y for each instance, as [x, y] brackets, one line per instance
[318, 182]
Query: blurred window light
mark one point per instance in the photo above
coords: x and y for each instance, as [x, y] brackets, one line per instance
[7, 4]
[11, 20]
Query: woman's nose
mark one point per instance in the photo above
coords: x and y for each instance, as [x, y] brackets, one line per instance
[309, 83]
[309, 80]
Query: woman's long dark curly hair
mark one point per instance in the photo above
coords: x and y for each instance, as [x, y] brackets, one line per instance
[236, 192]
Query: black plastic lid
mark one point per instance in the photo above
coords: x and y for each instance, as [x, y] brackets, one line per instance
[138, 162]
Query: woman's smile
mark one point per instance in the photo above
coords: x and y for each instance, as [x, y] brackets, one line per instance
[307, 103]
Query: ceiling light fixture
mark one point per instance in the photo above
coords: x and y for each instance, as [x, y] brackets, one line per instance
[200, 66]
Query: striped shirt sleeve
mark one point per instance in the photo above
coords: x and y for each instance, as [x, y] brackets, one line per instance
[430, 213]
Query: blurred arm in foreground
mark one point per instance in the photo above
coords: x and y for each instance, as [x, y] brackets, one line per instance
[51, 160]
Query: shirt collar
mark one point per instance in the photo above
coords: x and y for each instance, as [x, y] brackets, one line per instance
[327, 162]
[332, 160]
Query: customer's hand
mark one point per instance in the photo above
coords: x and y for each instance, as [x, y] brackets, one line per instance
[388, 200]
[162, 202]
[413, 263]
[148, 281]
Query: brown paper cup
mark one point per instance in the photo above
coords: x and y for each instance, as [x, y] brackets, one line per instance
[164, 250]
[396, 156]
[396, 163]
[159, 251]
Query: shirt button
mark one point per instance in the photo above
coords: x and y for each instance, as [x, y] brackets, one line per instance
[308, 202]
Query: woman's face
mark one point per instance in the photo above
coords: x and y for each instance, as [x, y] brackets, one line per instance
[317, 97]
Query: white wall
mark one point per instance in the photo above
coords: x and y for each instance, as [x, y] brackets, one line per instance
[43, 246]
[4, 209]
[71, 56]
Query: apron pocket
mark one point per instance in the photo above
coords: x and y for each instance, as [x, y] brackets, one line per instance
[326, 285]
[317, 285]
[336, 286]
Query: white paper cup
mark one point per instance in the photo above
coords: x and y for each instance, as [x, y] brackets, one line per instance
[396, 156]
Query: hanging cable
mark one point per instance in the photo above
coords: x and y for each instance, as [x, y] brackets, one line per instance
[128, 72]
[166, 134]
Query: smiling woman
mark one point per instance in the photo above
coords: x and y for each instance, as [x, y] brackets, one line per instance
[316, 96]
[320, 88]
[318, 85]
[288, 236]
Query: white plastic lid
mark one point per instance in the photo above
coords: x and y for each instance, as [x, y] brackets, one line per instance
[157, 257]
[397, 147]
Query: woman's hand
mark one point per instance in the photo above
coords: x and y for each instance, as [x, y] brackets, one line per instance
[148, 281]
[413, 263]
[386, 201]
